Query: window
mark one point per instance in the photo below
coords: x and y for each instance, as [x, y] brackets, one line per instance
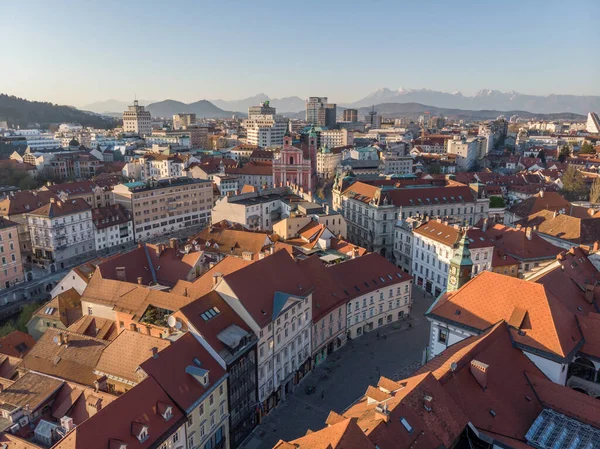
[175, 437]
[443, 335]
[90, 311]
[201, 409]
[221, 389]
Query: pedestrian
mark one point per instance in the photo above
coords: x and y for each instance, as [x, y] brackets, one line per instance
[322, 394]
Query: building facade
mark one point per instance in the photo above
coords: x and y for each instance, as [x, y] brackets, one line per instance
[266, 130]
[137, 120]
[291, 168]
[113, 226]
[11, 271]
[350, 115]
[163, 206]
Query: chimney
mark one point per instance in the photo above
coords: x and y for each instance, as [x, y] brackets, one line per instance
[159, 249]
[155, 352]
[52, 200]
[479, 371]
[140, 280]
[216, 278]
[595, 247]
[121, 275]
[541, 194]
[67, 423]
[382, 412]
[355, 252]
[173, 243]
[528, 233]
[519, 227]
[272, 249]
[555, 214]
[485, 225]
[65, 339]
[96, 386]
[1, 388]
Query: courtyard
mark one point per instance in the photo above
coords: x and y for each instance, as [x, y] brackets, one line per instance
[344, 376]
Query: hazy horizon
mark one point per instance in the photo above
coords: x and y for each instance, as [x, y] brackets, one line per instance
[68, 54]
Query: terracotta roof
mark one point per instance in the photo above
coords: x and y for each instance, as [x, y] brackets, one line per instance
[31, 389]
[5, 223]
[66, 307]
[546, 326]
[205, 283]
[24, 202]
[112, 426]
[252, 168]
[87, 269]
[345, 434]
[516, 243]
[257, 284]
[449, 235]
[73, 361]
[565, 227]
[212, 327]
[105, 217]
[16, 344]
[439, 427]
[127, 352]
[548, 200]
[145, 262]
[179, 383]
[230, 241]
[94, 326]
[14, 442]
[59, 208]
[79, 402]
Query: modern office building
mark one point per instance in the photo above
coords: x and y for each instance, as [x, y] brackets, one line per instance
[262, 109]
[373, 119]
[320, 113]
[350, 115]
[182, 121]
[266, 130]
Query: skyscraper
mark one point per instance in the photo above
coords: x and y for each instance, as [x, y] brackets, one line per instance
[373, 119]
[350, 115]
[320, 113]
[137, 120]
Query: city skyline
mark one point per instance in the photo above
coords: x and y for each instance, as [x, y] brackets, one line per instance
[214, 52]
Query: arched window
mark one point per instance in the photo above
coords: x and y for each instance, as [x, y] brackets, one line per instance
[584, 368]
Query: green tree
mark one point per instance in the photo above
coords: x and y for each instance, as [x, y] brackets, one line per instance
[435, 169]
[564, 153]
[26, 313]
[542, 156]
[595, 191]
[587, 148]
[574, 187]
[496, 201]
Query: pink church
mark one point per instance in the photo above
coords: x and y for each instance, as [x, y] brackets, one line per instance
[291, 168]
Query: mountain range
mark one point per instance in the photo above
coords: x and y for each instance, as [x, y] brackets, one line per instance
[112, 106]
[484, 99]
[202, 108]
[283, 105]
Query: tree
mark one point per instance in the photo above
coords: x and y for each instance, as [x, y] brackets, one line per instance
[542, 156]
[595, 191]
[564, 153]
[587, 148]
[496, 201]
[574, 187]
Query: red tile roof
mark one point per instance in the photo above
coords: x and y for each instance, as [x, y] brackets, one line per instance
[139, 406]
[16, 344]
[516, 243]
[59, 208]
[182, 387]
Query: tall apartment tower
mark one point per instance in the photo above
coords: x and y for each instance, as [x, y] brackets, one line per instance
[350, 115]
[263, 109]
[320, 113]
[137, 120]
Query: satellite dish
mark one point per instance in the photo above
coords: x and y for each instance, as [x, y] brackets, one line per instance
[178, 325]
[171, 321]
[55, 339]
[453, 366]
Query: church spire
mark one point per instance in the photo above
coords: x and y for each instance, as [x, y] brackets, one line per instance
[461, 265]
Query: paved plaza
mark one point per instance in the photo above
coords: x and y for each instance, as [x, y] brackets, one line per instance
[395, 354]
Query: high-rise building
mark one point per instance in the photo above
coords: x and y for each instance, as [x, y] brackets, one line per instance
[137, 120]
[350, 115]
[263, 109]
[319, 112]
[182, 121]
[266, 130]
[373, 119]
[593, 123]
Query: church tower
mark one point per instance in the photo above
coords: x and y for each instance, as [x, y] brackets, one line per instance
[461, 265]
[312, 149]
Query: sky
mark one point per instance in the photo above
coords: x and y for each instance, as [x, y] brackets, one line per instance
[82, 51]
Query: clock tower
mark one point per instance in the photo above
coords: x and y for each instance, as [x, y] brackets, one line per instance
[461, 265]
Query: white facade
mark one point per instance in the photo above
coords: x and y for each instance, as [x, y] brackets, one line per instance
[336, 138]
[431, 262]
[266, 130]
[108, 236]
[372, 310]
[467, 150]
[396, 165]
[160, 167]
[256, 216]
[593, 123]
[71, 280]
[137, 120]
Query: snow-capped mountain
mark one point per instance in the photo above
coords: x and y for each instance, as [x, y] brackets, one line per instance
[484, 99]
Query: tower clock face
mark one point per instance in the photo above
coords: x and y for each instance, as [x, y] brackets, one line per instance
[453, 280]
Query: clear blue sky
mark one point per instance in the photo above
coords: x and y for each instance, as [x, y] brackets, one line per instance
[81, 51]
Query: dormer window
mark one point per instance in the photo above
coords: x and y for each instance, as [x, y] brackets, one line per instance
[140, 431]
[143, 435]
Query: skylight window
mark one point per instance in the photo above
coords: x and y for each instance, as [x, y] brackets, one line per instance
[210, 313]
[406, 425]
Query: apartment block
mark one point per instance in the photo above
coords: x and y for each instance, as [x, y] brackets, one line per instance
[163, 206]
[11, 271]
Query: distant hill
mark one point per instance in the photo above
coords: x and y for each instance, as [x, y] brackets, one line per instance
[111, 106]
[414, 110]
[29, 114]
[283, 105]
[484, 100]
[202, 108]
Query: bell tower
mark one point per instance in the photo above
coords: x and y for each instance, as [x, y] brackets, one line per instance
[461, 265]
